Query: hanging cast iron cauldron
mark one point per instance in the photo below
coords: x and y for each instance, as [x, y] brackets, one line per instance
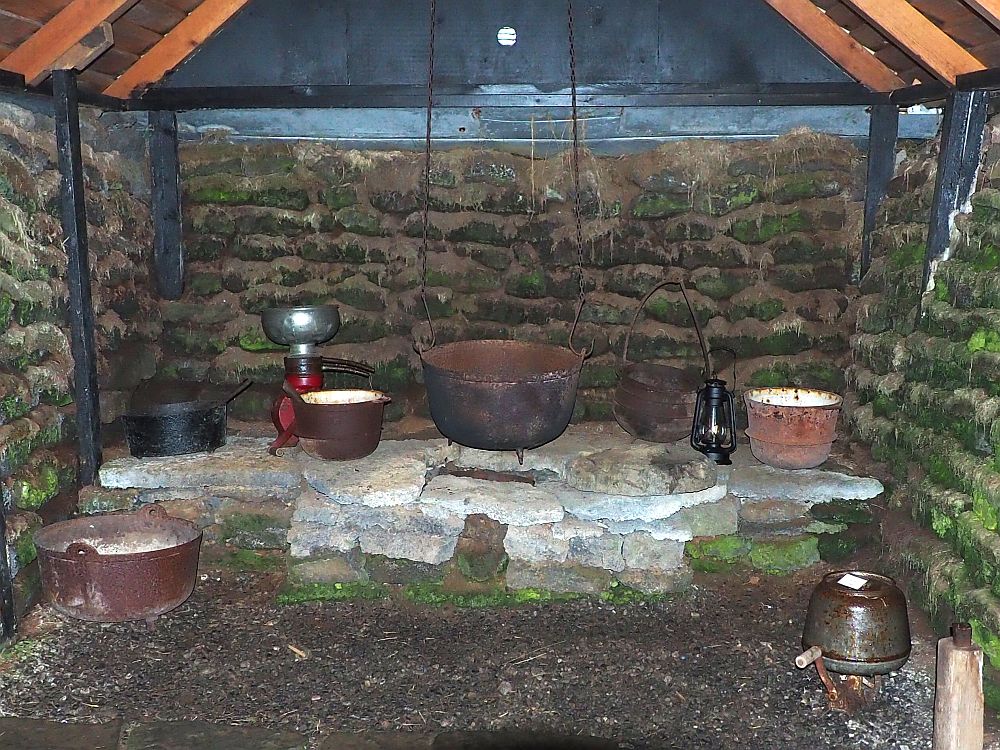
[858, 620]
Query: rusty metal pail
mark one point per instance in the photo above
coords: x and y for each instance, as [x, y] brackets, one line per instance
[792, 428]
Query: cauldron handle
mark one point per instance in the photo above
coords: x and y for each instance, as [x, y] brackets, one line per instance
[587, 351]
[417, 346]
[679, 281]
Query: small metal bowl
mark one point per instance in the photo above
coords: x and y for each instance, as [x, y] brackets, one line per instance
[301, 326]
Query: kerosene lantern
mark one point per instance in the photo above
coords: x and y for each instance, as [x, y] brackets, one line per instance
[713, 431]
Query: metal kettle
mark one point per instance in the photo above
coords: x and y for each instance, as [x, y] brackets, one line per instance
[859, 621]
[856, 625]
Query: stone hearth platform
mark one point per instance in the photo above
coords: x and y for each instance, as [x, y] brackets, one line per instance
[601, 508]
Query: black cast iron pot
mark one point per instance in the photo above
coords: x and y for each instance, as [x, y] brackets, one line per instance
[179, 428]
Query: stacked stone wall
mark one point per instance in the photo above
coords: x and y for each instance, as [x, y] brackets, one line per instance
[928, 399]
[37, 455]
[766, 231]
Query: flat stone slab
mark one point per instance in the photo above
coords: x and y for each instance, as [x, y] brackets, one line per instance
[512, 503]
[29, 733]
[598, 506]
[200, 735]
[555, 456]
[805, 486]
[642, 469]
[241, 462]
[708, 519]
[394, 474]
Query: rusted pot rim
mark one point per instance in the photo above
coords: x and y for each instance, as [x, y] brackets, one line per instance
[796, 443]
[754, 395]
[350, 396]
[434, 360]
[45, 542]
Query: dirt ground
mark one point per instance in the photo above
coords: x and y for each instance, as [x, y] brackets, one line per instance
[710, 669]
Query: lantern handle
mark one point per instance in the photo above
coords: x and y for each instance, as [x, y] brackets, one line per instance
[735, 357]
[677, 279]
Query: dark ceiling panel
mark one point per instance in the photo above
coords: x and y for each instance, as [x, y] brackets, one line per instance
[384, 42]
[270, 43]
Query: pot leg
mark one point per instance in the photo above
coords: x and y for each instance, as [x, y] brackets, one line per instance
[151, 624]
[520, 456]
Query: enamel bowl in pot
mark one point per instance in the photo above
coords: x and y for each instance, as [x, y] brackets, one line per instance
[859, 621]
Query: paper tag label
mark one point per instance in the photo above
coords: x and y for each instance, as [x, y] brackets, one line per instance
[852, 581]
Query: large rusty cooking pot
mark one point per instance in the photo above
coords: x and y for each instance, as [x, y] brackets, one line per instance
[655, 402]
[858, 620]
[119, 567]
[501, 395]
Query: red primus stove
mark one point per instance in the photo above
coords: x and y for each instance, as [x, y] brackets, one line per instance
[303, 329]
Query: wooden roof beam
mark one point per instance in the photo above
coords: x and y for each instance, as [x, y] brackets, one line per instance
[175, 46]
[919, 37]
[837, 44]
[988, 9]
[38, 54]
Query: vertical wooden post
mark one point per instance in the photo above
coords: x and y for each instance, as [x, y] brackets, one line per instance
[958, 698]
[958, 161]
[7, 621]
[168, 248]
[81, 308]
[882, 133]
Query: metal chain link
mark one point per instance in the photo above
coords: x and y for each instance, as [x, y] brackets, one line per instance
[577, 208]
[427, 173]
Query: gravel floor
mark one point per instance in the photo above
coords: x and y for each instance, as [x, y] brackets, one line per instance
[711, 669]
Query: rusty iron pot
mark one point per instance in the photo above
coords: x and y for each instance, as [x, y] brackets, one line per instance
[343, 424]
[861, 631]
[119, 567]
[501, 395]
[792, 428]
[655, 402]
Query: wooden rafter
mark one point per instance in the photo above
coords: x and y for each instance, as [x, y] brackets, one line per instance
[988, 9]
[175, 47]
[35, 57]
[838, 45]
[919, 37]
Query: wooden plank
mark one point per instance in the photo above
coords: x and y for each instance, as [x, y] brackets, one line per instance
[133, 38]
[39, 10]
[81, 308]
[13, 31]
[34, 58]
[154, 16]
[919, 37]
[958, 692]
[164, 170]
[113, 62]
[988, 9]
[175, 47]
[80, 55]
[837, 44]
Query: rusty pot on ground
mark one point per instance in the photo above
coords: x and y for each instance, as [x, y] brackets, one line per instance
[859, 622]
[119, 567]
[501, 395]
[792, 428]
